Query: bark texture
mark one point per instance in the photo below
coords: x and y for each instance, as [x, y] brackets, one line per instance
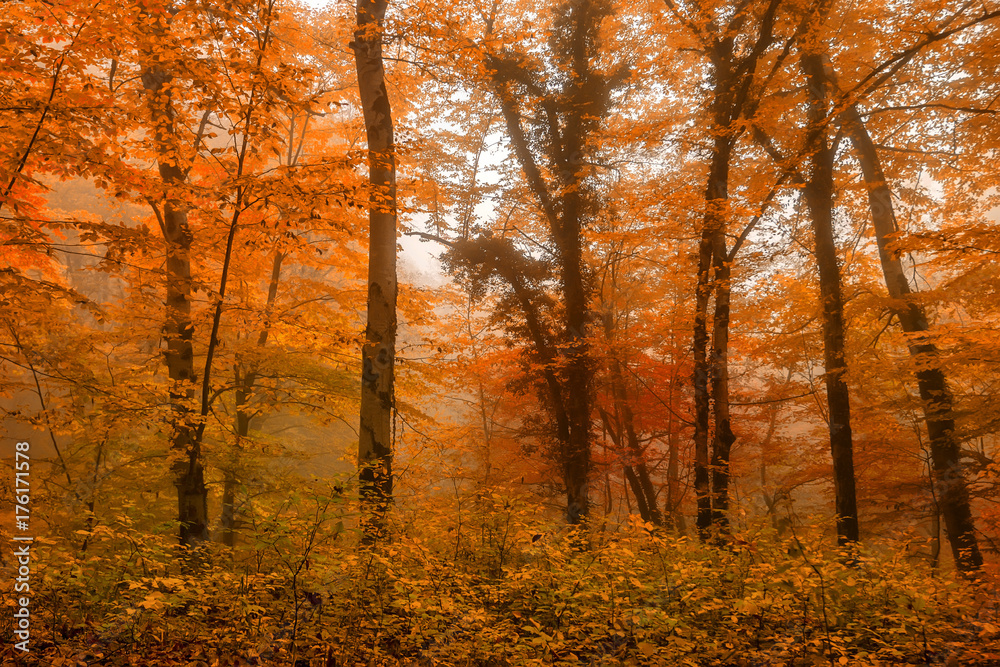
[379, 351]
[722, 443]
[818, 194]
[718, 174]
[178, 331]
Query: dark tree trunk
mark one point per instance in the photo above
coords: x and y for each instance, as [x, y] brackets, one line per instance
[578, 378]
[496, 256]
[379, 351]
[633, 466]
[641, 471]
[733, 98]
[818, 194]
[722, 443]
[581, 100]
[189, 473]
[949, 479]
[712, 368]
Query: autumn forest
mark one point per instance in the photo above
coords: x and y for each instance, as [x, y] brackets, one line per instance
[408, 332]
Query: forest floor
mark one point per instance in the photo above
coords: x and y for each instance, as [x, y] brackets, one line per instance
[500, 587]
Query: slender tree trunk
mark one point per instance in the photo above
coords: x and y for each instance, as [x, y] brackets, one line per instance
[724, 438]
[379, 351]
[640, 470]
[230, 477]
[245, 385]
[770, 501]
[608, 502]
[189, 474]
[560, 190]
[637, 491]
[949, 478]
[576, 464]
[733, 98]
[671, 507]
[569, 238]
[711, 372]
[636, 474]
[819, 198]
[507, 262]
[635, 468]
[178, 331]
[673, 502]
[570, 390]
[483, 415]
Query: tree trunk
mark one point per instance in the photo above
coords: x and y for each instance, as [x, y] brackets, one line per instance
[635, 467]
[230, 475]
[673, 503]
[584, 17]
[635, 472]
[699, 379]
[733, 98]
[245, 385]
[712, 367]
[379, 351]
[818, 194]
[638, 465]
[189, 474]
[560, 192]
[770, 500]
[722, 443]
[578, 378]
[178, 331]
[949, 479]
[711, 478]
[484, 417]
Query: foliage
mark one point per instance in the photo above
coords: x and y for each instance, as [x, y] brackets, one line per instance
[504, 586]
[566, 159]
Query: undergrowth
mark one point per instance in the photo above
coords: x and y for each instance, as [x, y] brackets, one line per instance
[496, 585]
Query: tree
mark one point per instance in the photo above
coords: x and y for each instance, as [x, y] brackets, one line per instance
[553, 151]
[174, 162]
[818, 194]
[735, 45]
[952, 492]
[379, 352]
[246, 99]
